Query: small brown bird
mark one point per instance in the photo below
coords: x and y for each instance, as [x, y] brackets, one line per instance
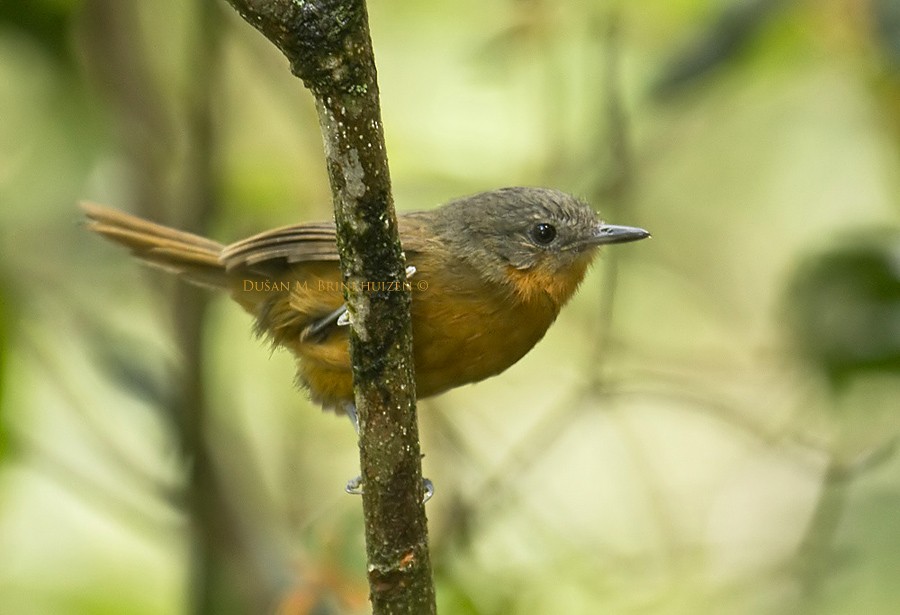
[491, 272]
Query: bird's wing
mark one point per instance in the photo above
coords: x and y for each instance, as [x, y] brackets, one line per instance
[273, 252]
[309, 242]
[298, 243]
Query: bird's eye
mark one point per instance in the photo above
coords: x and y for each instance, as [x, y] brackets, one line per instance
[543, 233]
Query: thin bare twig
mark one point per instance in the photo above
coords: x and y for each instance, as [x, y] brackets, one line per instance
[328, 45]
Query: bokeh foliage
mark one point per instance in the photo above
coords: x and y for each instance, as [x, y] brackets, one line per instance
[710, 426]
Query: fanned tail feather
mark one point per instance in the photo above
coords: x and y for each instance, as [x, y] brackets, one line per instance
[194, 258]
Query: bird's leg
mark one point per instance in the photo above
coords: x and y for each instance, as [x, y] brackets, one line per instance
[427, 485]
[355, 485]
[353, 415]
[318, 329]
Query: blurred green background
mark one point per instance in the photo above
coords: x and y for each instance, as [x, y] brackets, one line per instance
[710, 427]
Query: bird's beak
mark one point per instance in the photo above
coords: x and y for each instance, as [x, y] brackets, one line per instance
[610, 233]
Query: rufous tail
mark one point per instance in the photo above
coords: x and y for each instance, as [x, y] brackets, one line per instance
[190, 256]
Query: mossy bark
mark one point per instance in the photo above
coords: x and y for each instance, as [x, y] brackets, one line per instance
[328, 45]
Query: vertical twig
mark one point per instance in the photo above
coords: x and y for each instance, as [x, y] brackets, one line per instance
[328, 45]
[219, 551]
[617, 183]
[211, 517]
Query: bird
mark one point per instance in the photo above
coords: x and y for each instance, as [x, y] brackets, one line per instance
[492, 272]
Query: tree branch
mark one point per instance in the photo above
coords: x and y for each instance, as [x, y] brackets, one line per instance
[328, 45]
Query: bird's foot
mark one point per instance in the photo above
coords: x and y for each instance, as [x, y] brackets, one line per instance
[355, 487]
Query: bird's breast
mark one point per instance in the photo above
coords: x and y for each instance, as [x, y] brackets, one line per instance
[466, 330]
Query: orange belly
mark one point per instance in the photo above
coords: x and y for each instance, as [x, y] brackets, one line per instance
[462, 333]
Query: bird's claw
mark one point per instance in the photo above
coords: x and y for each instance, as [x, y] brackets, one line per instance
[354, 486]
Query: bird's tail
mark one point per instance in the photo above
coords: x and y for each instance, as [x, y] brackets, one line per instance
[192, 257]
